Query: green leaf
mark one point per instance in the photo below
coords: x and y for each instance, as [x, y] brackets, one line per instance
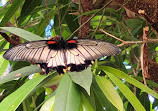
[90, 98]
[40, 96]
[53, 81]
[127, 92]
[110, 92]
[45, 101]
[41, 26]
[18, 65]
[102, 98]
[11, 11]
[4, 10]
[129, 79]
[83, 78]
[26, 105]
[86, 106]
[67, 96]
[48, 105]
[20, 73]
[144, 99]
[28, 7]
[71, 21]
[3, 62]
[22, 33]
[11, 102]
[149, 82]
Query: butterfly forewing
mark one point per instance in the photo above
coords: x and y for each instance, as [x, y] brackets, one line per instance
[94, 49]
[36, 51]
[36, 44]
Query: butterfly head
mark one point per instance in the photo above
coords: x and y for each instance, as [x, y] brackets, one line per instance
[56, 43]
[57, 38]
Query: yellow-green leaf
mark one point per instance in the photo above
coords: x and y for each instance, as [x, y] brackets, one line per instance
[110, 92]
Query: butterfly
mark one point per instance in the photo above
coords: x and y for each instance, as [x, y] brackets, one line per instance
[57, 54]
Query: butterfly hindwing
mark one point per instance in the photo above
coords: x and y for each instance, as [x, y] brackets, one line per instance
[56, 60]
[74, 57]
[75, 60]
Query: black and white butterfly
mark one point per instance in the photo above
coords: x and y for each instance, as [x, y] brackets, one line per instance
[57, 54]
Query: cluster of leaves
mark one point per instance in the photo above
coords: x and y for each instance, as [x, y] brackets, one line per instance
[95, 89]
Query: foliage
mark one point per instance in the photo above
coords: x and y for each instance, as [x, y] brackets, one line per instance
[106, 85]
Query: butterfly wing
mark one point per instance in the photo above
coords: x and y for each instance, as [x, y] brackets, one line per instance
[58, 56]
[94, 49]
[36, 51]
[80, 57]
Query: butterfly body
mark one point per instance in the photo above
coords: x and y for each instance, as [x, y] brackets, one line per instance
[60, 55]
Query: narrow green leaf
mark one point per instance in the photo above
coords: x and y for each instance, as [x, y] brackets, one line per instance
[48, 105]
[129, 79]
[71, 22]
[127, 93]
[19, 73]
[3, 65]
[11, 11]
[41, 26]
[3, 62]
[4, 10]
[11, 102]
[45, 101]
[128, 49]
[90, 98]
[110, 92]
[67, 96]
[86, 106]
[22, 33]
[105, 103]
[26, 105]
[149, 82]
[53, 81]
[83, 78]
[28, 7]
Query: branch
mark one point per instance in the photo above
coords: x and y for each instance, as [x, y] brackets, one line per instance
[45, 2]
[129, 42]
[8, 39]
[58, 13]
[112, 36]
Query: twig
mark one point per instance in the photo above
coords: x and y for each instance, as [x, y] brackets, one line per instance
[8, 39]
[129, 42]
[142, 64]
[64, 14]
[112, 36]
[90, 18]
[45, 2]
[138, 65]
[81, 26]
[144, 55]
[16, 22]
[2, 39]
[58, 13]
[32, 23]
[138, 42]
[98, 24]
